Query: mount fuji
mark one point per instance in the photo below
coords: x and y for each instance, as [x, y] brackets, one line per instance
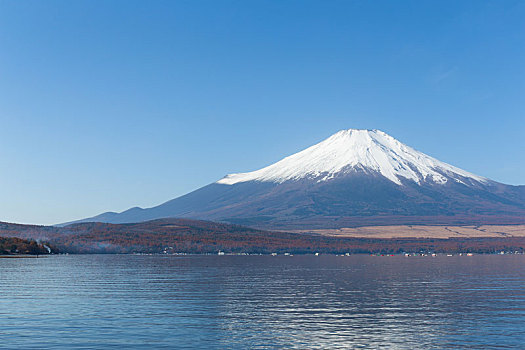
[353, 178]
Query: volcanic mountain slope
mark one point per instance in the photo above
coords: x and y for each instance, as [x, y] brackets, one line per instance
[353, 178]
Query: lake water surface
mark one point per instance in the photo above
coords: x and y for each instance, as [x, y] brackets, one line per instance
[127, 302]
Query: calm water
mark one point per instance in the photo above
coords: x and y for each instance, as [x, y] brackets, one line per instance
[119, 301]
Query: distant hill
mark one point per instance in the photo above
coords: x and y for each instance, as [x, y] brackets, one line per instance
[353, 178]
[193, 236]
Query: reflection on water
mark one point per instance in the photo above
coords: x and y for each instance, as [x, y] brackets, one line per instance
[123, 301]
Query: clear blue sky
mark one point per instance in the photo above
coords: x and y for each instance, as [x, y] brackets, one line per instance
[105, 105]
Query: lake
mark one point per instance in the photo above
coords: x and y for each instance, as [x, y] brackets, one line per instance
[132, 302]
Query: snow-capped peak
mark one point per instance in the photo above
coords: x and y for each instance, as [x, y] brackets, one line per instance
[356, 150]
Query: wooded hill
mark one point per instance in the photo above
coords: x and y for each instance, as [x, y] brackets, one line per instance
[14, 245]
[198, 237]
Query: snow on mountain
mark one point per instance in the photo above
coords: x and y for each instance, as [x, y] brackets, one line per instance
[353, 178]
[357, 150]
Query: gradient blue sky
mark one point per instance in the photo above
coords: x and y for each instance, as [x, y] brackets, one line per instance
[105, 105]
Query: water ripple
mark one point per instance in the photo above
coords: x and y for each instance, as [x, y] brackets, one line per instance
[123, 301]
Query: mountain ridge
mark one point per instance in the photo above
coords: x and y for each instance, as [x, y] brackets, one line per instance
[350, 175]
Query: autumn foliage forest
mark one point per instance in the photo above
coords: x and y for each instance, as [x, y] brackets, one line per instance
[200, 237]
[15, 245]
